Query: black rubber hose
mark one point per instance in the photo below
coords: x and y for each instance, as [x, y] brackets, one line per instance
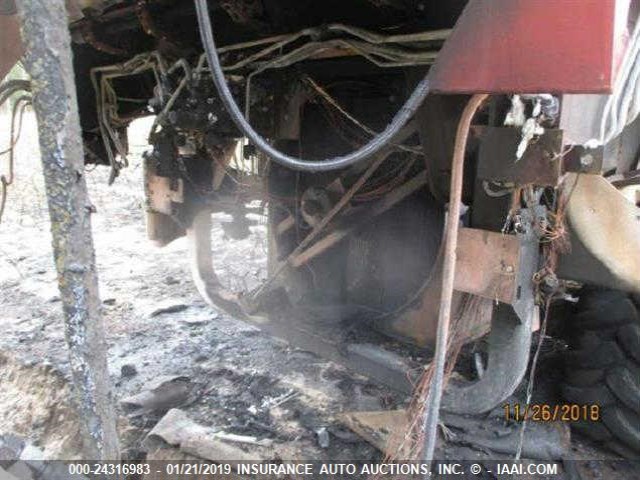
[336, 163]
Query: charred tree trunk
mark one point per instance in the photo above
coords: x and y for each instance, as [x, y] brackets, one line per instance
[48, 59]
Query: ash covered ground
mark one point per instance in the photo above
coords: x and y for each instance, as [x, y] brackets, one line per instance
[243, 380]
[240, 380]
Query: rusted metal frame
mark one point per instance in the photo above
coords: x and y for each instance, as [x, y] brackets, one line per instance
[529, 233]
[114, 15]
[432, 409]
[510, 337]
[97, 17]
[48, 60]
[505, 274]
[149, 25]
[285, 225]
[325, 221]
[146, 20]
[89, 36]
[580, 159]
[541, 164]
[405, 133]
[487, 264]
[244, 12]
[384, 205]
[544, 162]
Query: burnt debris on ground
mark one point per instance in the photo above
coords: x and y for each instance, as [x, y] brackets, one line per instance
[171, 354]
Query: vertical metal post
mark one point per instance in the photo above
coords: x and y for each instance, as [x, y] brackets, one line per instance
[48, 58]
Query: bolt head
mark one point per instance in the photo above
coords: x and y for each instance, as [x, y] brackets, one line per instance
[587, 160]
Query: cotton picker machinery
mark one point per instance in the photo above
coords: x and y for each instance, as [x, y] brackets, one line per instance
[434, 172]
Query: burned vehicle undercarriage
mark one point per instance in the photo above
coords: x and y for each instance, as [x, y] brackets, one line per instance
[489, 181]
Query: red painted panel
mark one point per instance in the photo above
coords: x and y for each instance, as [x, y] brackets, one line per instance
[10, 43]
[530, 46]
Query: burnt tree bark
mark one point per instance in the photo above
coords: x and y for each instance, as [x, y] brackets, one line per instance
[48, 59]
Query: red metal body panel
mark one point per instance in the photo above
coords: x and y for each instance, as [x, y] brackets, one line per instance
[10, 43]
[531, 46]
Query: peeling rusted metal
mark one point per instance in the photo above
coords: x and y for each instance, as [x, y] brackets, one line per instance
[299, 253]
[580, 159]
[486, 264]
[146, 21]
[150, 26]
[89, 36]
[541, 163]
[48, 59]
[243, 11]
[385, 204]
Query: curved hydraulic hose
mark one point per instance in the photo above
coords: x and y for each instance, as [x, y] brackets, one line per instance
[336, 163]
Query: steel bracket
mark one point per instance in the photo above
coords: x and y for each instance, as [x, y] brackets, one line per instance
[541, 163]
[511, 330]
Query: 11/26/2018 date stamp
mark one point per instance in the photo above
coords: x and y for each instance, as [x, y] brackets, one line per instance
[543, 412]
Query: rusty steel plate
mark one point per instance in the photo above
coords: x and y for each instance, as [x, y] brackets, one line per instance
[541, 163]
[487, 264]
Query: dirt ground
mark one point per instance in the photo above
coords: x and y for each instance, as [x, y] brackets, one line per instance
[240, 379]
[236, 369]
